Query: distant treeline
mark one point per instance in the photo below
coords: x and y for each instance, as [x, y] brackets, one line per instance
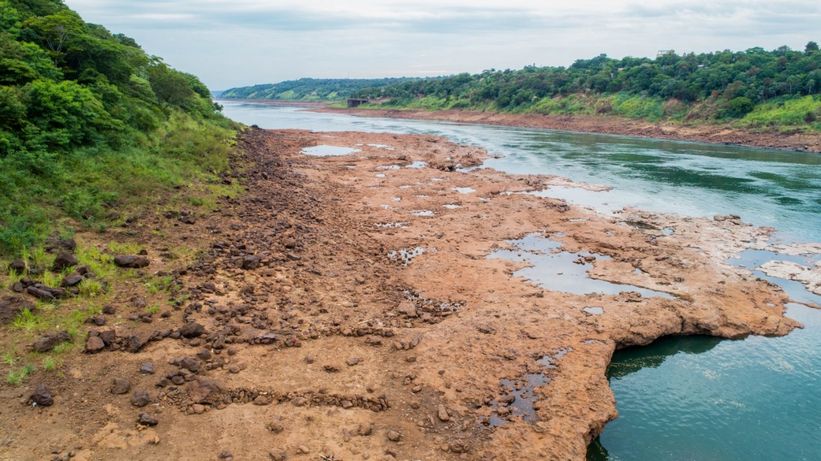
[310, 89]
[777, 87]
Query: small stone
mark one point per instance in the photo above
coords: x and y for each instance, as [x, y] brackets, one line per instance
[197, 409]
[146, 420]
[303, 450]
[442, 413]
[41, 396]
[353, 361]
[278, 455]
[394, 436]
[140, 399]
[131, 261]
[192, 330]
[262, 400]
[486, 329]
[48, 342]
[330, 368]
[250, 262]
[147, 368]
[120, 386]
[275, 426]
[72, 280]
[64, 260]
[225, 455]
[18, 266]
[94, 344]
[109, 310]
[365, 430]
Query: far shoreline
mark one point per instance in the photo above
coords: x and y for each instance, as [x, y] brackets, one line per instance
[607, 125]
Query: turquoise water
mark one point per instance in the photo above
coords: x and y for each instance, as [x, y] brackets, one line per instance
[691, 398]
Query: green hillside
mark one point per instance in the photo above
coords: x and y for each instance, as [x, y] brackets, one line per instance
[778, 88]
[310, 89]
[90, 125]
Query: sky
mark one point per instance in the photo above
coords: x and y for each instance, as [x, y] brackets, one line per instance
[230, 43]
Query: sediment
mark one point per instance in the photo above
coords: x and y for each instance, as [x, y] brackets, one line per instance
[339, 310]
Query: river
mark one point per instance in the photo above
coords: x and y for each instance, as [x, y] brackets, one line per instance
[692, 398]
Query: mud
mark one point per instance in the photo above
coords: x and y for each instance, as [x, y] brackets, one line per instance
[307, 333]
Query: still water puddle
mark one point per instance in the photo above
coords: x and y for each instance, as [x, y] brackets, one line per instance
[464, 190]
[325, 150]
[562, 270]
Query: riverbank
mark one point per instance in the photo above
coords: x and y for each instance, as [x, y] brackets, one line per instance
[720, 134]
[346, 307]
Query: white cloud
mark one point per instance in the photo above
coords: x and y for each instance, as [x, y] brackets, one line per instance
[239, 42]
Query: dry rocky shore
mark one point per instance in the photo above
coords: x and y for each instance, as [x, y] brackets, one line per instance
[345, 308]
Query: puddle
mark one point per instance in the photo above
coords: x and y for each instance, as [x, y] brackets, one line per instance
[451, 206]
[417, 164]
[397, 199]
[380, 175]
[406, 255]
[391, 225]
[381, 146]
[523, 395]
[561, 270]
[464, 190]
[325, 150]
[423, 213]
[388, 167]
[752, 260]
[593, 310]
[668, 231]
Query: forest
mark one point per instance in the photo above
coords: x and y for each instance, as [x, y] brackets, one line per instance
[310, 89]
[779, 88]
[89, 123]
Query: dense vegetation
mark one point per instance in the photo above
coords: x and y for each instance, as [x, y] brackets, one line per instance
[90, 124]
[779, 87]
[310, 89]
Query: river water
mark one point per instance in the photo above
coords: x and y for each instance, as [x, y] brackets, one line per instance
[690, 398]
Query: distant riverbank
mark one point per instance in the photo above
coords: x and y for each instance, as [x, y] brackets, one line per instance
[712, 133]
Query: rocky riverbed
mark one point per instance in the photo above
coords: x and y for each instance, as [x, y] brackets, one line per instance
[374, 305]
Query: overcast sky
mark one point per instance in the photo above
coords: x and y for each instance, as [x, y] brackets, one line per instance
[240, 42]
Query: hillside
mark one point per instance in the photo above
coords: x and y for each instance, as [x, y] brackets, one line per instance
[310, 89]
[90, 125]
[756, 87]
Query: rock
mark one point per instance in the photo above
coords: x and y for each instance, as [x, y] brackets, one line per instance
[41, 396]
[94, 344]
[120, 386]
[109, 310]
[189, 363]
[192, 330]
[486, 329]
[225, 455]
[203, 390]
[330, 368]
[442, 414]
[40, 293]
[394, 436]
[140, 398]
[55, 243]
[262, 400]
[275, 426]
[135, 343]
[63, 261]
[11, 307]
[147, 368]
[131, 261]
[197, 409]
[250, 262]
[303, 450]
[353, 361]
[147, 420]
[277, 455]
[48, 342]
[365, 430]
[408, 309]
[72, 280]
[18, 266]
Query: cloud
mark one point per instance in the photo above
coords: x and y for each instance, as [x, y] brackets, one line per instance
[273, 40]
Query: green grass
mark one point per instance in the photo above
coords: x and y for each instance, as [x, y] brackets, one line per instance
[20, 375]
[158, 284]
[796, 112]
[50, 363]
[91, 288]
[152, 309]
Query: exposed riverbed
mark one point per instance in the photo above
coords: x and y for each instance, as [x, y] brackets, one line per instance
[768, 188]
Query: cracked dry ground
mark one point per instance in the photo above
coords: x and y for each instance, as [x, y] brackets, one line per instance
[310, 334]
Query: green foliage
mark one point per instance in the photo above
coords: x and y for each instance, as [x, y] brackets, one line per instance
[19, 376]
[89, 124]
[786, 112]
[724, 85]
[310, 89]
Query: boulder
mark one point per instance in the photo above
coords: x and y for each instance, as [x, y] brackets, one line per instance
[63, 261]
[48, 342]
